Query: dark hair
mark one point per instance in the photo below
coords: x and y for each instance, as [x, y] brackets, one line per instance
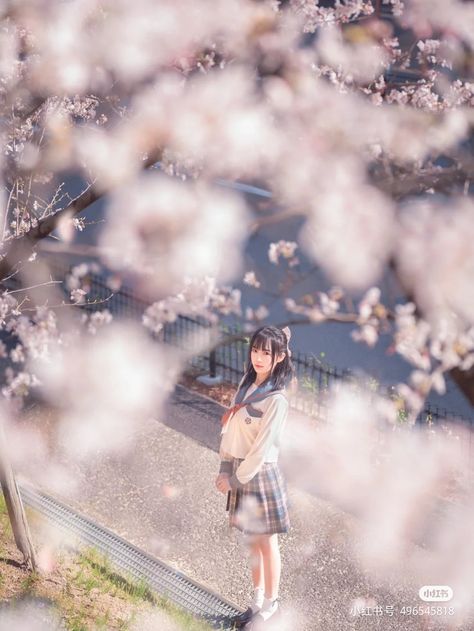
[283, 371]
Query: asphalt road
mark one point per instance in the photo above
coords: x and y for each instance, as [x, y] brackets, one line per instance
[161, 497]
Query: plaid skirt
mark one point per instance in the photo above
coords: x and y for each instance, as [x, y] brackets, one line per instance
[261, 505]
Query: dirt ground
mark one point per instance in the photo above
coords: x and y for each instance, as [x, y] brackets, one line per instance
[74, 591]
[76, 597]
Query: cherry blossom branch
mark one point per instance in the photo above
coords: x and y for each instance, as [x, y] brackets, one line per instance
[21, 248]
[78, 249]
[86, 303]
[50, 282]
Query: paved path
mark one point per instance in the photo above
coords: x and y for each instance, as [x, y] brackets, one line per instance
[161, 497]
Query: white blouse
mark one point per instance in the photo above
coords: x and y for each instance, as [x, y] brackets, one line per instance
[255, 439]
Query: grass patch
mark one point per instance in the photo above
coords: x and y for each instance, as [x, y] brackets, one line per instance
[4, 518]
[85, 589]
[103, 574]
[29, 583]
[181, 617]
[77, 621]
[137, 591]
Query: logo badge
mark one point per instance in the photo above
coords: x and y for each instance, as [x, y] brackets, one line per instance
[248, 420]
[435, 593]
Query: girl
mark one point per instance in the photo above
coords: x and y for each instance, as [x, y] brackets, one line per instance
[249, 473]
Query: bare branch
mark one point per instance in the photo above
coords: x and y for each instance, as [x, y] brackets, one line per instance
[276, 218]
[414, 183]
[49, 282]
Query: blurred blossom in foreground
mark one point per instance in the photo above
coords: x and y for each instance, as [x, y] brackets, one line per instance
[220, 120]
[31, 455]
[453, 16]
[435, 260]
[105, 386]
[198, 296]
[51, 541]
[152, 621]
[362, 60]
[31, 615]
[393, 477]
[94, 43]
[160, 621]
[168, 230]
[349, 231]
[110, 156]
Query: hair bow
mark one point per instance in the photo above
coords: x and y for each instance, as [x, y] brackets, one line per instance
[287, 332]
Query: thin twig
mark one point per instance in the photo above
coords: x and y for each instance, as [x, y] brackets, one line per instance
[76, 304]
[49, 282]
[21, 247]
[6, 212]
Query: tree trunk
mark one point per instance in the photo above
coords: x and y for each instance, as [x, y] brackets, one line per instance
[465, 381]
[16, 512]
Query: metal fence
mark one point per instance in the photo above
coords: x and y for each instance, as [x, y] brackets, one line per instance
[227, 359]
[315, 378]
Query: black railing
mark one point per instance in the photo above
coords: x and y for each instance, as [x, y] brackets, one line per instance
[229, 350]
[315, 378]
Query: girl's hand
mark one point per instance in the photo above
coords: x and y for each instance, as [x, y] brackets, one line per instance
[222, 482]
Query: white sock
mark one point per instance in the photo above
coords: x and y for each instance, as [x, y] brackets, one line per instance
[268, 608]
[257, 600]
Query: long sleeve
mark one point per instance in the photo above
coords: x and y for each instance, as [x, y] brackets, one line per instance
[272, 424]
[226, 466]
[226, 459]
